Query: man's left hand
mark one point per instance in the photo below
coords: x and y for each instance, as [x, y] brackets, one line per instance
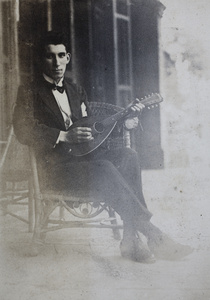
[137, 107]
[133, 122]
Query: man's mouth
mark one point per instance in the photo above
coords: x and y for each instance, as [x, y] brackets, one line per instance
[57, 70]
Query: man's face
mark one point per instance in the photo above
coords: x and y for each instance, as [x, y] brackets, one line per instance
[55, 61]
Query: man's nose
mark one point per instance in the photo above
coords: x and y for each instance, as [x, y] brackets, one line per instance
[56, 61]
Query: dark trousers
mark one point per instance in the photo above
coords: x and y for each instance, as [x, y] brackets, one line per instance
[113, 175]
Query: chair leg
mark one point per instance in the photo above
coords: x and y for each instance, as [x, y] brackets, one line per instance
[13, 190]
[31, 205]
[37, 241]
[5, 197]
[116, 231]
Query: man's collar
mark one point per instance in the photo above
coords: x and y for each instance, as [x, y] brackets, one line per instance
[50, 80]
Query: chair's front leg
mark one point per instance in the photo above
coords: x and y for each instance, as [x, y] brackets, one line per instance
[31, 204]
[37, 241]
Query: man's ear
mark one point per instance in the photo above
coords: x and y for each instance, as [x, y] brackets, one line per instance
[68, 56]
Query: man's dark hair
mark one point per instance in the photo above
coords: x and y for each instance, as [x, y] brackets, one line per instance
[51, 37]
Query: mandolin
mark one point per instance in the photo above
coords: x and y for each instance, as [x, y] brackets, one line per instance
[101, 129]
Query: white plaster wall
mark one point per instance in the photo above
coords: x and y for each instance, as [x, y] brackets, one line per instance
[185, 116]
[185, 82]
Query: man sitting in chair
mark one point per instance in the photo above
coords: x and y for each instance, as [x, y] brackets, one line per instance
[43, 118]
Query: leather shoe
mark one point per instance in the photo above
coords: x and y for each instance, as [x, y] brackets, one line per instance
[135, 250]
[165, 248]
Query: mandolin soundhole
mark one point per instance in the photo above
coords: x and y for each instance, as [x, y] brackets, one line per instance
[98, 127]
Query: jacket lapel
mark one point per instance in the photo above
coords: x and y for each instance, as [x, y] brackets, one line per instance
[49, 100]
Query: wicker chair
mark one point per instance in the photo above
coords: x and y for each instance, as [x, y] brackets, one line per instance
[86, 210]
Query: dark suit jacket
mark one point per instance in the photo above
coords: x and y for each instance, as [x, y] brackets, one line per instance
[37, 119]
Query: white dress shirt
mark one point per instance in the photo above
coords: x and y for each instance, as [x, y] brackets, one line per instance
[62, 101]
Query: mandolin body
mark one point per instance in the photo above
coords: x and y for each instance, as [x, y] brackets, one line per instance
[100, 132]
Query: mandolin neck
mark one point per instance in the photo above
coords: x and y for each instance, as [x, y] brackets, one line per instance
[116, 117]
[151, 101]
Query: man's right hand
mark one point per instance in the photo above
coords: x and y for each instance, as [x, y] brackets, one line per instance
[76, 135]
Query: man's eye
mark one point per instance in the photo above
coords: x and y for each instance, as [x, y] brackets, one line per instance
[49, 56]
[61, 55]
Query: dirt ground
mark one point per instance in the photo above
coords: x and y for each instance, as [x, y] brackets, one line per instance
[84, 264]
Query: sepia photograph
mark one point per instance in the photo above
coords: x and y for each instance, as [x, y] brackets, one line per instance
[104, 149]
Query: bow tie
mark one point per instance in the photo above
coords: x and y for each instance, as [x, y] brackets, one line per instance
[60, 89]
[52, 86]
